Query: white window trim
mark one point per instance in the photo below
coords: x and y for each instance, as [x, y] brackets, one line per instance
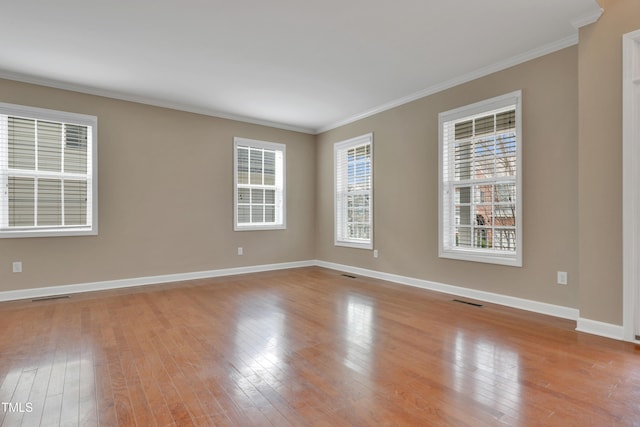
[92, 162]
[481, 255]
[268, 146]
[337, 147]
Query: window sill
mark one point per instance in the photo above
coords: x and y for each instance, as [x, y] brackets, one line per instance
[44, 232]
[357, 245]
[259, 227]
[486, 257]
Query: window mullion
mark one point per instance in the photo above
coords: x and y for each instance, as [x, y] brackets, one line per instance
[481, 181]
[473, 214]
[262, 205]
[493, 215]
[35, 201]
[451, 205]
[62, 181]
[36, 170]
[4, 171]
[343, 160]
[62, 219]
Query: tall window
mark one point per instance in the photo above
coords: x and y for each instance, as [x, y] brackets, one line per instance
[480, 182]
[353, 165]
[259, 174]
[47, 173]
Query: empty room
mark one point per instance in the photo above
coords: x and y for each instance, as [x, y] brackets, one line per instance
[339, 213]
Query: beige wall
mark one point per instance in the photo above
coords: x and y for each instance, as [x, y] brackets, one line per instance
[600, 160]
[165, 197]
[406, 185]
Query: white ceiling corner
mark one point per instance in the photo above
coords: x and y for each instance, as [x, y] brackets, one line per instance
[589, 17]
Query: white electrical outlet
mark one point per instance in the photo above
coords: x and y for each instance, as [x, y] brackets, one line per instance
[562, 278]
[240, 250]
[17, 266]
[375, 253]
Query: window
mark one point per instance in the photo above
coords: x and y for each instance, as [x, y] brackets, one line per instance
[259, 175]
[353, 166]
[480, 182]
[48, 171]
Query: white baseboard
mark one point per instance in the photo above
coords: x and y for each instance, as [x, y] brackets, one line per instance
[583, 325]
[520, 303]
[602, 329]
[50, 291]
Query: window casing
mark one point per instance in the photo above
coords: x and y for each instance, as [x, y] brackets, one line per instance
[480, 173]
[48, 173]
[259, 185]
[353, 174]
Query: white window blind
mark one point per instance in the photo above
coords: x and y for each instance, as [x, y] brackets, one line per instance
[47, 172]
[480, 185]
[259, 175]
[353, 166]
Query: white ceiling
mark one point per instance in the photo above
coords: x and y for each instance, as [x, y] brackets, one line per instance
[301, 65]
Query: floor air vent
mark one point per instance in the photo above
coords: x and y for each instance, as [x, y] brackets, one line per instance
[349, 276]
[467, 302]
[49, 298]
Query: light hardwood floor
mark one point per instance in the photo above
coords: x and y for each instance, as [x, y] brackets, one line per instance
[304, 347]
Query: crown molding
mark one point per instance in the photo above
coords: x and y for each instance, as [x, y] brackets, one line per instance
[56, 84]
[588, 18]
[481, 72]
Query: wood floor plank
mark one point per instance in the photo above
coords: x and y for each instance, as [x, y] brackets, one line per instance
[125, 412]
[106, 412]
[87, 404]
[38, 392]
[69, 414]
[304, 347]
[52, 409]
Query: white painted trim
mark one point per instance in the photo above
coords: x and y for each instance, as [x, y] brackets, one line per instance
[140, 99]
[90, 177]
[447, 248]
[339, 149]
[588, 18]
[514, 302]
[280, 196]
[520, 303]
[630, 180]
[481, 72]
[143, 281]
[602, 329]
[583, 325]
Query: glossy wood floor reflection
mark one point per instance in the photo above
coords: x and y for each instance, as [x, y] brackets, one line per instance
[303, 347]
